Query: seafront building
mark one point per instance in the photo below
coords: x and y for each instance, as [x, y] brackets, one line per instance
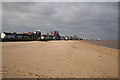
[53, 35]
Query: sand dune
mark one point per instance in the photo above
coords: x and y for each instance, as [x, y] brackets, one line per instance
[58, 59]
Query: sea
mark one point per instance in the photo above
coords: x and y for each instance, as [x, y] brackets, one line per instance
[106, 43]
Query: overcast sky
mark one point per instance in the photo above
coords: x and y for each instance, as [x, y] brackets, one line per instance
[89, 19]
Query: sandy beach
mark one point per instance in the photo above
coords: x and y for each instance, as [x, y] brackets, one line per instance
[58, 59]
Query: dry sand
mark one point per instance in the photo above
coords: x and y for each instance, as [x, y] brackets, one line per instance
[58, 59]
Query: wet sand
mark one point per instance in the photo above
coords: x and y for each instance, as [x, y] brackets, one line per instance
[58, 59]
[106, 43]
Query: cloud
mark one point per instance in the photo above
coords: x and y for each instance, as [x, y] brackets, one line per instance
[87, 19]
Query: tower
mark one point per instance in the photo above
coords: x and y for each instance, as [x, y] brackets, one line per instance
[38, 35]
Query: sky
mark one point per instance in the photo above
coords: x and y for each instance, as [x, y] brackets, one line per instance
[86, 19]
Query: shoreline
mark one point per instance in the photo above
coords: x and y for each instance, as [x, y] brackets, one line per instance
[106, 43]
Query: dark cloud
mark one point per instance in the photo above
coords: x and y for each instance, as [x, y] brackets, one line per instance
[89, 19]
